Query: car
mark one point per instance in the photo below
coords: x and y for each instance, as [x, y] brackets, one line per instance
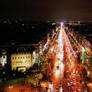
[10, 86]
[61, 88]
[57, 67]
[57, 90]
[44, 84]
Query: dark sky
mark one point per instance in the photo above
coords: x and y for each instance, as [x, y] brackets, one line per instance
[47, 9]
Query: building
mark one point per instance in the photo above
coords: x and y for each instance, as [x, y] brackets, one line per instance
[21, 61]
[3, 57]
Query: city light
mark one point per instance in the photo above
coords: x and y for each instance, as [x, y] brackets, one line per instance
[62, 24]
[60, 62]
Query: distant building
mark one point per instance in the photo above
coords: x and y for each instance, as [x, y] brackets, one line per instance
[35, 57]
[3, 57]
[21, 61]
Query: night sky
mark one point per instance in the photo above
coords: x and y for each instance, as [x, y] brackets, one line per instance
[47, 9]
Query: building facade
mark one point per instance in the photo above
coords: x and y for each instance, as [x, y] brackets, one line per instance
[21, 61]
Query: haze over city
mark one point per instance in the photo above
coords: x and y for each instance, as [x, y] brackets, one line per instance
[47, 9]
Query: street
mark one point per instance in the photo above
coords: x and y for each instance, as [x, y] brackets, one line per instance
[66, 71]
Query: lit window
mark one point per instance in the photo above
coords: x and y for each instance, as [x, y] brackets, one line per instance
[28, 56]
[13, 57]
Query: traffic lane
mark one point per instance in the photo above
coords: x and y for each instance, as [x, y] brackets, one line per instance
[57, 73]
